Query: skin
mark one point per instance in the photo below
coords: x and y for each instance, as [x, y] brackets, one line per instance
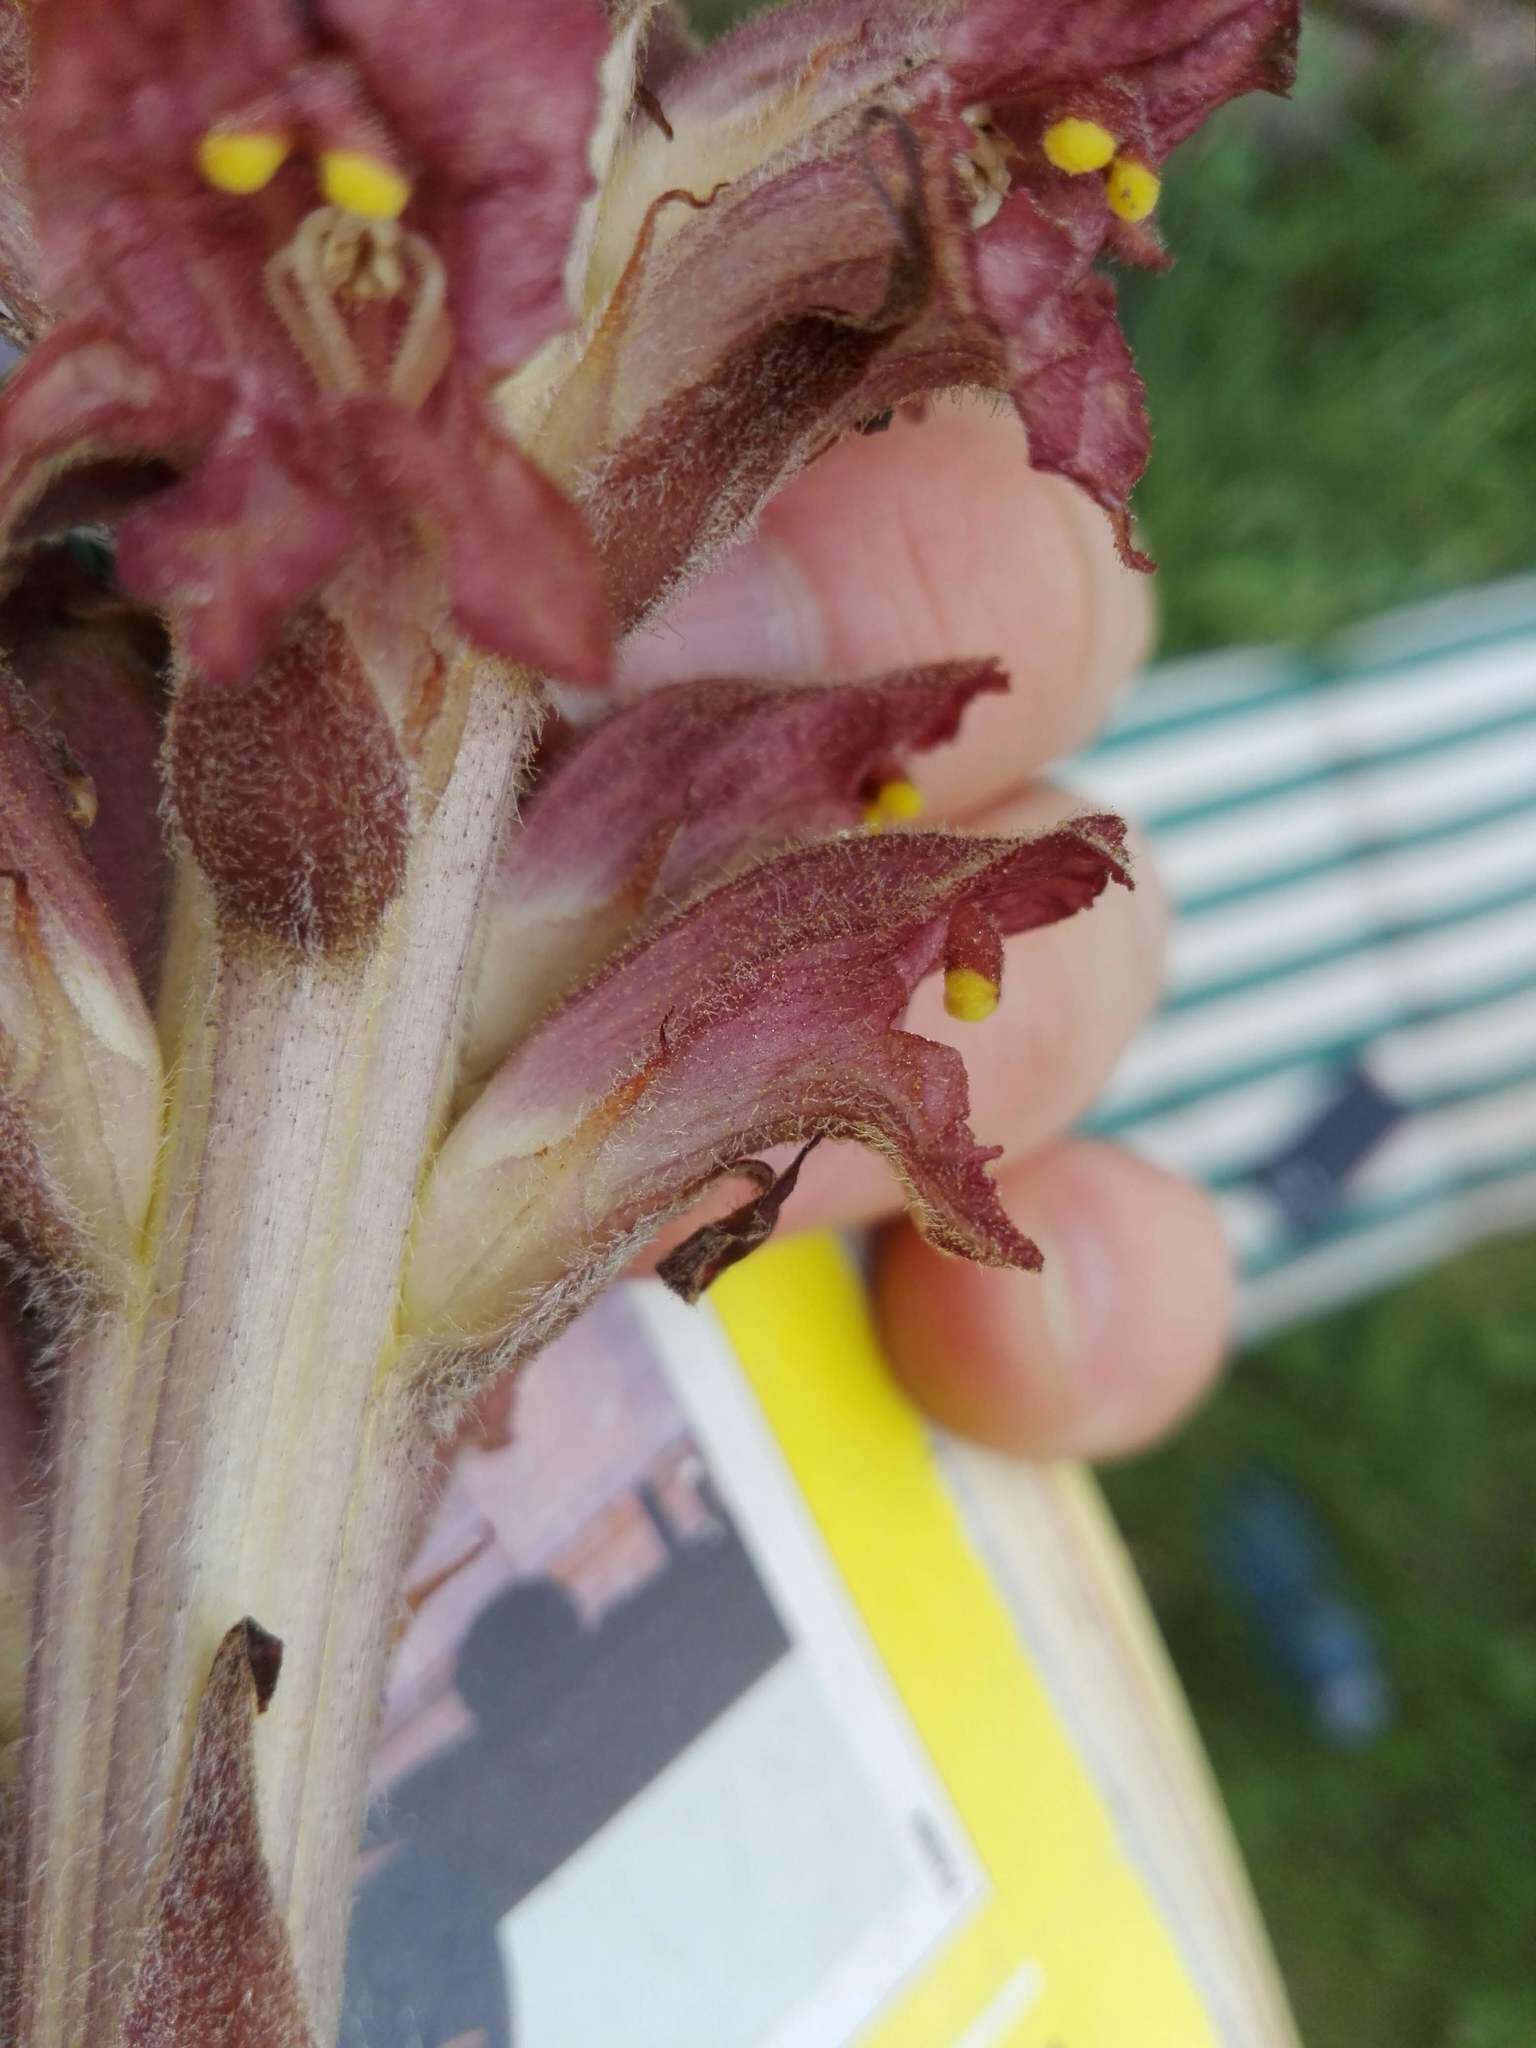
[932, 541]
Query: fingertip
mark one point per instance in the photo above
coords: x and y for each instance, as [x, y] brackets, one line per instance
[1099, 1355]
[934, 542]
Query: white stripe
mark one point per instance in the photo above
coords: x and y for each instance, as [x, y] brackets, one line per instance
[1329, 820]
[1353, 903]
[1463, 1140]
[1317, 731]
[1022, 1990]
[1458, 1051]
[1204, 682]
[1234, 1127]
[1296, 1015]
[1423, 628]
[1238, 1128]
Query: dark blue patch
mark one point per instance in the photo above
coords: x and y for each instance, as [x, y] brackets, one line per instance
[1308, 1180]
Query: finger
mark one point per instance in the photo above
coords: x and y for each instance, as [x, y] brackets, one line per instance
[930, 542]
[1073, 995]
[1098, 1355]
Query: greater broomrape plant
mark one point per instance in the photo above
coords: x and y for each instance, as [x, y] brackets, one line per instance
[365, 999]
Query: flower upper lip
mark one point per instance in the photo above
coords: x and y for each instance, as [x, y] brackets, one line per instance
[213, 313]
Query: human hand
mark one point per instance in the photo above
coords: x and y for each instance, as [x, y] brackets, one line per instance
[935, 541]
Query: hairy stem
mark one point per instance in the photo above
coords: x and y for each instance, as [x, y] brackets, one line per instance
[241, 1441]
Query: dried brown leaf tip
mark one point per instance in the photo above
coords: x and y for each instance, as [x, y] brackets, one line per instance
[701, 1258]
[216, 1967]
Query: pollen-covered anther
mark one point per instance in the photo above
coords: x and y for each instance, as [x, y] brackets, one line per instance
[973, 965]
[363, 184]
[969, 997]
[895, 802]
[1132, 189]
[241, 160]
[1075, 145]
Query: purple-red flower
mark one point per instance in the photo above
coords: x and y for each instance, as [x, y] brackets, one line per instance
[841, 206]
[763, 1013]
[292, 249]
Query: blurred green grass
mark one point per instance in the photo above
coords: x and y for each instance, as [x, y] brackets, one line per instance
[1342, 376]
[1340, 364]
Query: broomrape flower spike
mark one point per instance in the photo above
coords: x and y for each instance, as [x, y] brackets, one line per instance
[408, 364]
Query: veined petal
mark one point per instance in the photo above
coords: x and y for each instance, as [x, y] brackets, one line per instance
[675, 791]
[1013, 49]
[997, 238]
[79, 1062]
[715, 378]
[498, 97]
[234, 548]
[524, 579]
[1085, 407]
[82, 401]
[763, 1014]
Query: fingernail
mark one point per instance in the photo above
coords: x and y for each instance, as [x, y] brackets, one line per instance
[755, 615]
[1078, 1294]
[1078, 1283]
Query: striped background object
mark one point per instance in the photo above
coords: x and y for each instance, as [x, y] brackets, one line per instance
[1346, 1052]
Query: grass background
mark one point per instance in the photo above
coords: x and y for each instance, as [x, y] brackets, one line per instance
[1342, 370]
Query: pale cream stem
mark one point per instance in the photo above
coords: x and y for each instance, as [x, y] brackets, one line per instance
[238, 1443]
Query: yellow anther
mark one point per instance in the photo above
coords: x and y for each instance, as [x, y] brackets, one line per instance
[897, 802]
[363, 184]
[894, 803]
[1074, 145]
[969, 996]
[1132, 188]
[241, 159]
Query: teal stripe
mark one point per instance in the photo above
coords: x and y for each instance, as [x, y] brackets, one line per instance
[1360, 853]
[1456, 1096]
[1338, 766]
[1377, 938]
[1306, 677]
[1429, 1194]
[1321, 1052]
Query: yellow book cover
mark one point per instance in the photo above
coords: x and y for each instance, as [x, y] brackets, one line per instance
[738, 1709]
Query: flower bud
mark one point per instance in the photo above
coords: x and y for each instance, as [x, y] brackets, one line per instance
[79, 1061]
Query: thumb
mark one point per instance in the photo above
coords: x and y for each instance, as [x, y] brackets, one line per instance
[1098, 1355]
